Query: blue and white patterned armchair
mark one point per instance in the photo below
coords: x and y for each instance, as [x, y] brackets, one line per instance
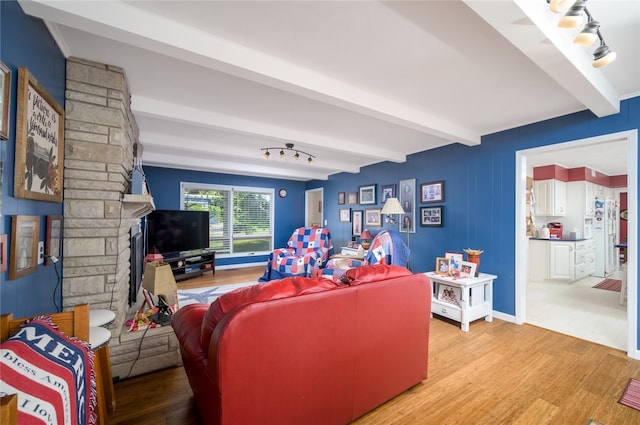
[308, 249]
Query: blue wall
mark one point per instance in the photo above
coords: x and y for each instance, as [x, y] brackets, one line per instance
[164, 185]
[25, 41]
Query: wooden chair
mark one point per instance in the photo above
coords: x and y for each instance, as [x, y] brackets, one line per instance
[71, 323]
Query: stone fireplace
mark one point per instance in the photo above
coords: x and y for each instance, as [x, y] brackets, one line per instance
[101, 215]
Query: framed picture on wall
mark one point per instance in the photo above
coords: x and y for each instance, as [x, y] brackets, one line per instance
[407, 198]
[24, 245]
[53, 238]
[341, 198]
[431, 216]
[5, 100]
[352, 198]
[373, 218]
[387, 191]
[367, 194]
[345, 215]
[39, 142]
[432, 192]
[356, 222]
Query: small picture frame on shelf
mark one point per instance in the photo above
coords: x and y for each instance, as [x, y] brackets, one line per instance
[443, 266]
[449, 294]
[467, 269]
[345, 215]
[456, 259]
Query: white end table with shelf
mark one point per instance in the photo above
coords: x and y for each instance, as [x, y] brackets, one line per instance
[476, 298]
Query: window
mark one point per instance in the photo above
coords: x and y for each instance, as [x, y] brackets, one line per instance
[240, 218]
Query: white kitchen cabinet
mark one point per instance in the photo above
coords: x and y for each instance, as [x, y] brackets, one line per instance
[550, 197]
[560, 260]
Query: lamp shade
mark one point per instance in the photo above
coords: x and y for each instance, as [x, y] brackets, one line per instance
[366, 234]
[392, 206]
[158, 278]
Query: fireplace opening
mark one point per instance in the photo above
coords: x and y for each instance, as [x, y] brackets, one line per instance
[137, 266]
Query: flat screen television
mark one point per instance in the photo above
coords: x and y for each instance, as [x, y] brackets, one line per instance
[170, 232]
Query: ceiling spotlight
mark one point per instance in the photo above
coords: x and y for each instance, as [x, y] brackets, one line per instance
[283, 152]
[588, 35]
[560, 6]
[573, 18]
[603, 55]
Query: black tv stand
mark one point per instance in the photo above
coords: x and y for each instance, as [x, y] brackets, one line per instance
[186, 265]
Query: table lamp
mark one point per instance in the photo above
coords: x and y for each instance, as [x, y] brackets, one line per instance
[365, 239]
[159, 280]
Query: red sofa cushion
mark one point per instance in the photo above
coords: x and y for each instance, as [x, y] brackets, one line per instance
[265, 291]
[373, 273]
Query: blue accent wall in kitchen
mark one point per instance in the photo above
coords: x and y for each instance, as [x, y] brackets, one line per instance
[25, 41]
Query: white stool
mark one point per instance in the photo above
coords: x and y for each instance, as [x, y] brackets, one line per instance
[99, 339]
[101, 317]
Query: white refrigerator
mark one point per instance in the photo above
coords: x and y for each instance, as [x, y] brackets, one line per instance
[604, 235]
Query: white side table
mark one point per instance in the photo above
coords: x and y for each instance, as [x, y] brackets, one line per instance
[474, 296]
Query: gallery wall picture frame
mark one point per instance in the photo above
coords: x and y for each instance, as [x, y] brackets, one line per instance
[432, 192]
[367, 194]
[344, 215]
[387, 191]
[53, 238]
[352, 198]
[24, 245]
[5, 100]
[407, 198]
[341, 198]
[431, 216]
[356, 222]
[4, 263]
[39, 142]
[373, 217]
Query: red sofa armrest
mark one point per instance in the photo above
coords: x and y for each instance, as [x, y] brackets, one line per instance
[187, 323]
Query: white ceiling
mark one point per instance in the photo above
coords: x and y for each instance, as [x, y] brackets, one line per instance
[353, 83]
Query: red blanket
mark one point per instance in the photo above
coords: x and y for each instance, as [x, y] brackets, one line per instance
[52, 374]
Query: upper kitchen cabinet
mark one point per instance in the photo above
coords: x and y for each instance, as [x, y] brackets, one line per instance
[581, 196]
[550, 197]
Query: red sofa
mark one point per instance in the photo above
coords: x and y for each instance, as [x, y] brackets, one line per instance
[326, 353]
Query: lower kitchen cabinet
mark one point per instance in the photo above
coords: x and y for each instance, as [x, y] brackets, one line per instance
[560, 260]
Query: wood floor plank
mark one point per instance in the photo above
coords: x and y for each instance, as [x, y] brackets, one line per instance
[498, 373]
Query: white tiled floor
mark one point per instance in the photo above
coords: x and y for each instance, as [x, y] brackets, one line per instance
[579, 310]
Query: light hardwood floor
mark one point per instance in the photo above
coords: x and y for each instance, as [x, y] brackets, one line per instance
[498, 373]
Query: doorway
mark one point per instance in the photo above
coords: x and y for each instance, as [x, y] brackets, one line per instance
[522, 242]
[314, 209]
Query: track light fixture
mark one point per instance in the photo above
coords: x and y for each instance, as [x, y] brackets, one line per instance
[575, 12]
[283, 152]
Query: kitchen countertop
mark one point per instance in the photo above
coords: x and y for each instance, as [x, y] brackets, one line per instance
[558, 240]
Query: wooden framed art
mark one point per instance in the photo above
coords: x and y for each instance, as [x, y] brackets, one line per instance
[341, 198]
[24, 245]
[3, 253]
[352, 198]
[53, 238]
[5, 100]
[468, 269]
[367, 194]
[387, 191]
[372, 217]
[356, 222]
[431, 216]
[443, 265]
[39, 142]
[432, 192]
[345, 215]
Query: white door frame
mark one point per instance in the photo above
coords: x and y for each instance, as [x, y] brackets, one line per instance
[522, 246]
[307, 207]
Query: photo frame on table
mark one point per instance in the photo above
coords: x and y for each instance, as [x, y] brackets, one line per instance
[455, 259]
[5, 100]
[367, 194]
[39, 142]
[407, 198]
[352, 198]
[449, 294]
[341, 198]
[431, 216]
[443, 265]
[373, 217]
[53, 238]
[356, 222]
[345, 215]
[468, 269]
[387, 191]
[24, 245]
[432, 192]
[4, 264]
